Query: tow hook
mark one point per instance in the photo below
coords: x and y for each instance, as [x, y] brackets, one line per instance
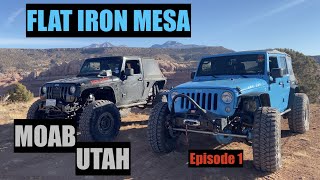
[191, 122]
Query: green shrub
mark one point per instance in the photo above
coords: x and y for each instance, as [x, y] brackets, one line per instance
[19, 93]
[307, 71]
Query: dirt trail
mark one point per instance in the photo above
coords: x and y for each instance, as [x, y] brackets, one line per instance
[301, 159]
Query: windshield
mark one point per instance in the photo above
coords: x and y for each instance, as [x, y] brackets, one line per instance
[95, 66]
[251, 64]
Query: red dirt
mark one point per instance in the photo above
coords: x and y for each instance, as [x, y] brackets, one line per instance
[300, 153]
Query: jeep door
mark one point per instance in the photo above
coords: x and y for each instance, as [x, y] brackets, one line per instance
[279, 87]
[285, 81]
[133, 84]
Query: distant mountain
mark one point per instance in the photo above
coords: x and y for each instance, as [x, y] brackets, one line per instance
[38, 59]
[168, 44]
[102, 45]
[176, 45]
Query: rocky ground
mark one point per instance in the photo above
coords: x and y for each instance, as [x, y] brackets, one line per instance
[300, 153]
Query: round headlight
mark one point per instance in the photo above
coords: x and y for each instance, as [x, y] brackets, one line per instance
[227, 97]
[173, 94]
[72, 89]
[44, 89]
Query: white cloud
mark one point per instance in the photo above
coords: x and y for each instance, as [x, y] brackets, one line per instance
[259, 17]
[13, 16]
[274, 11]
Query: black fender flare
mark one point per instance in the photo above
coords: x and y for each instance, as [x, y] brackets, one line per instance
[264, 98]
[293, 89]
[160, 83]
[96, 89]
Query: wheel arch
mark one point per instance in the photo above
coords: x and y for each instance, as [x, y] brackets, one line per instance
[293, 89]
[157, 86]
[160, 83]
[105, 93]
[264, 98]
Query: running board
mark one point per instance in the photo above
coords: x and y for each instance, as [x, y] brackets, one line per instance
[133, 104]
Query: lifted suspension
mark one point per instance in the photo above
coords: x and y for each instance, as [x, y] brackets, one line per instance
[208, 116]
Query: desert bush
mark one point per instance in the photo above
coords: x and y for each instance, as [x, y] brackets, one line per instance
[19, 93]
[307, 72]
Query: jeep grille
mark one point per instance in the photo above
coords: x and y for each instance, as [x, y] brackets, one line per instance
[57, 92]
[208, 101]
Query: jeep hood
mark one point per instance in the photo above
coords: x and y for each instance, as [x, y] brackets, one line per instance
[243, 84]
[81, 80]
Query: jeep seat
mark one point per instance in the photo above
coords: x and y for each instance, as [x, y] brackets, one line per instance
[240, 68]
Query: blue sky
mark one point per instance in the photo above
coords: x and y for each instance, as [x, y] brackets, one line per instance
[234, 24]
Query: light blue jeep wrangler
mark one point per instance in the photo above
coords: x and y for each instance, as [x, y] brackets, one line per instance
[235, 95]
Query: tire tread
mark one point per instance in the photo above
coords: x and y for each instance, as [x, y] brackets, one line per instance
[86, 118]
[296, 118]
[155, 132]
[266, 140]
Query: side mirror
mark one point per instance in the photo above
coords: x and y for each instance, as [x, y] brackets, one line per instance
[276, 73]
[193, 74]
[129, 72]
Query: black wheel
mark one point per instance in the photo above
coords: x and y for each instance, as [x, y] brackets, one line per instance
[298, 118]
[160, 139]
[266, 139]
[99, 121]
[160, 97]
[33, 112]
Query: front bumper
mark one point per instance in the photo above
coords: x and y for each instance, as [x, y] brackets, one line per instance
[199, 120]
[60, 110]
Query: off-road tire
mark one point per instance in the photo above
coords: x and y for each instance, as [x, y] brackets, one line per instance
[266, 139]
[33, 112]
[160, 97]
[298, 118]
[89, 126]
[158, 135]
